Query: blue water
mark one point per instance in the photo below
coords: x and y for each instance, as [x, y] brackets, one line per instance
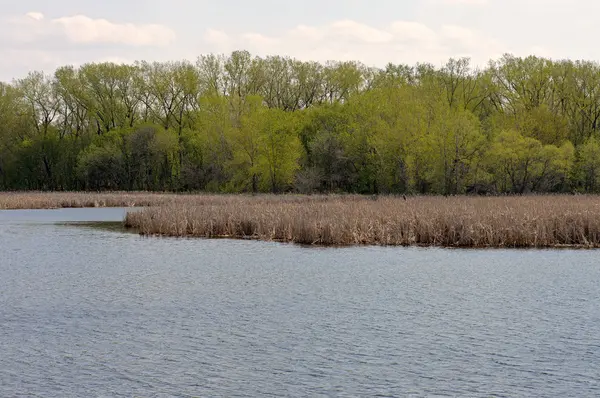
[100, 313]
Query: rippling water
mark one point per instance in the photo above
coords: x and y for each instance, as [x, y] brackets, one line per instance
[88, 312]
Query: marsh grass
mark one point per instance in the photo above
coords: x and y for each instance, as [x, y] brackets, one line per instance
[55, 200]
[477, 222]
[528, 221]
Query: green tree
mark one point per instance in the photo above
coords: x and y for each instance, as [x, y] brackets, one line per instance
[279, 150]
[522, 164]
[101, 168]
[589, 165]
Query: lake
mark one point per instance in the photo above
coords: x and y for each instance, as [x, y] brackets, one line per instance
[86, 311]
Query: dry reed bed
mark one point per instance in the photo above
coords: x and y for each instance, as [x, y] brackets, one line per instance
[54, 200]
[525, 222]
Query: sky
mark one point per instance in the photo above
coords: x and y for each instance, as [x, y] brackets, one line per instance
[42, 35]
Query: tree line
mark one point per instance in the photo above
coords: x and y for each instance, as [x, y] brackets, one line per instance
[243, 123]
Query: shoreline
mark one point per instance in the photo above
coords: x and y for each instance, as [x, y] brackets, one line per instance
[349, 246]
[461, 222]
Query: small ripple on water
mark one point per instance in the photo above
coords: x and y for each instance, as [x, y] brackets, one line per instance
[86, 312]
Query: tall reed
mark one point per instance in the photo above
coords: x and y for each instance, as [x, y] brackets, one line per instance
[531, 221]
[54, 200]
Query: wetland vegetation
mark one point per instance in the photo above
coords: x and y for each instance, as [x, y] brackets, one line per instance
[357, 154]
[533, 221]
[524, 222]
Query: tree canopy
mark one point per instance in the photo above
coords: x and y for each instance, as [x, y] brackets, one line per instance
[243, 123]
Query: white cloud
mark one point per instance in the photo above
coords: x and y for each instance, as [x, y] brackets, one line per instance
[352, 30]
[33, 41]
[426, 31]
[217, 37]
[465, 2]
[400, 42]
[37, 16]
[304, 32]
[260, 40]
[26, 61]
[408, 31]
[83, 29]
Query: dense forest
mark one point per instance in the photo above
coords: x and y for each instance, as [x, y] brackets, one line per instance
[241, 123]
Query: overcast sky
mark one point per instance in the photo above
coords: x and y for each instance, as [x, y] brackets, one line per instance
[42, 34]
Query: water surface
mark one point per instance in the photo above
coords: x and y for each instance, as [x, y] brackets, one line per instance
[91, 312]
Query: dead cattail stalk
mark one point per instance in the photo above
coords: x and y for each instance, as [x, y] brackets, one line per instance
[540, 221]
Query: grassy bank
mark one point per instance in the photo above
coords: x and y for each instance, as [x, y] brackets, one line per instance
[535, 222]
[56, 200]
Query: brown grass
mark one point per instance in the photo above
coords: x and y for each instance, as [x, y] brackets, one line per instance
[56, 200]
[525, 222]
